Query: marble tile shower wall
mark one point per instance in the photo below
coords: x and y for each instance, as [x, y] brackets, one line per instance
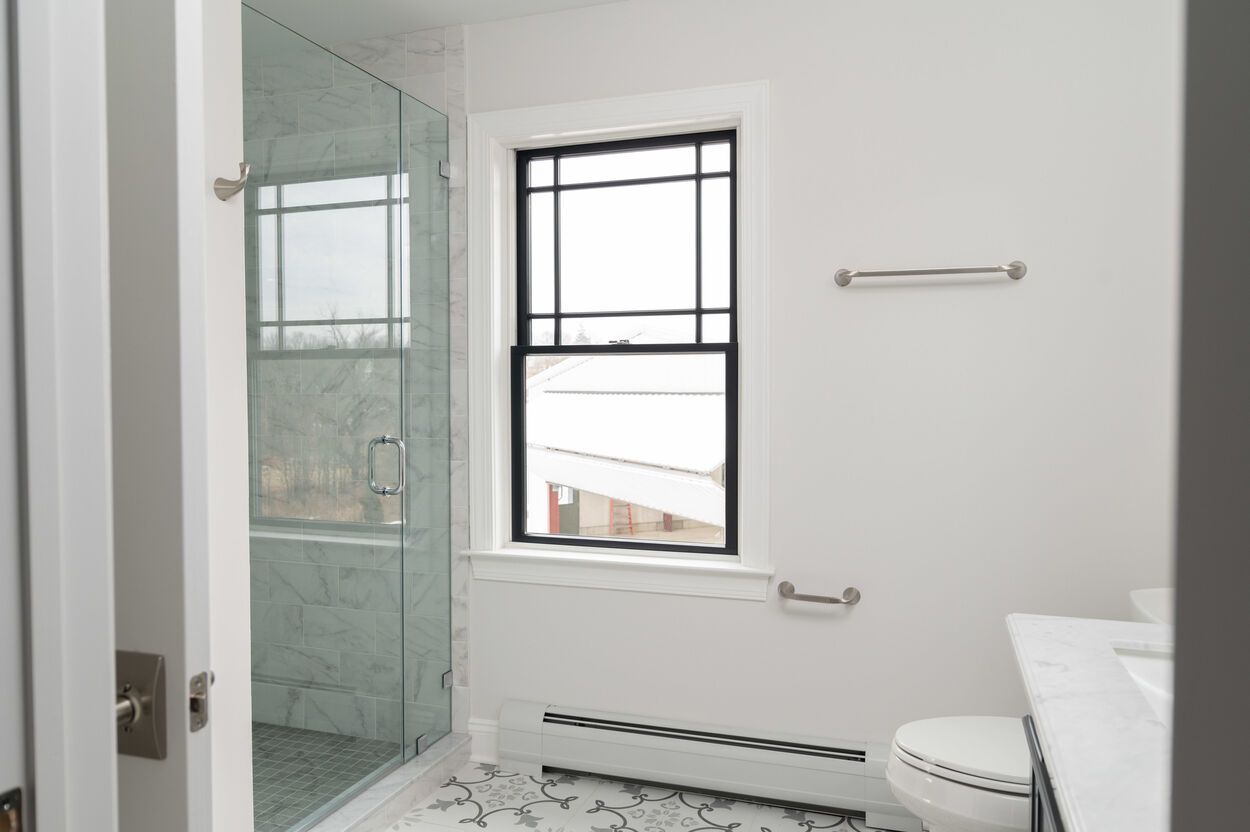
[326, 608]
[430, 65]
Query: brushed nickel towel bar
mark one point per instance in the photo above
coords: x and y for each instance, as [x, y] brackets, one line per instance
[1015, 270]
[850, 595]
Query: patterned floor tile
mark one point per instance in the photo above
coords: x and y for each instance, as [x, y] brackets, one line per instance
[779, 819]
[629, 807]
[490, 798]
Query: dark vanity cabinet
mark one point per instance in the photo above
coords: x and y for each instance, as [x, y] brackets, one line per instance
[1043, 809]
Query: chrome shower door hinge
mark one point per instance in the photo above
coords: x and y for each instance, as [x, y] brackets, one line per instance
[444, 168]
[199, 701]
[447, 680]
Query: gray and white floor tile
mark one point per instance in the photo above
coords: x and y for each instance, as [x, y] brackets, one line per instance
[491, 798]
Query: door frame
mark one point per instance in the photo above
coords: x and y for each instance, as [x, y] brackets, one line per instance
[61, 187]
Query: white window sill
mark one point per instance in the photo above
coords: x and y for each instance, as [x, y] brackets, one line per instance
[661, 574]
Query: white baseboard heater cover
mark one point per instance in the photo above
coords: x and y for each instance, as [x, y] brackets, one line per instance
[776, 768]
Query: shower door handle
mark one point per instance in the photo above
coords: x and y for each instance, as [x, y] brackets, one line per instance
[403, 465]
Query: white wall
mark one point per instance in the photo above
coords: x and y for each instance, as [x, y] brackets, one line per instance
[957, 451]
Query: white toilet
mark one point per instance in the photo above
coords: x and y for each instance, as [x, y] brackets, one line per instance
[962, 773]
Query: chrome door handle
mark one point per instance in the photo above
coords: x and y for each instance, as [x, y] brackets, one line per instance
[403, 465]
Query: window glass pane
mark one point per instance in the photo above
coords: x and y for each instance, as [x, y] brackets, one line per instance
[339, 336]
[627, 247]
[329, 191]
[542, 248]
[269, 338]
[715, 243]
[335, 264]
[541, 172]
[716, 157]
[627, 164]
[542, 332]
[267, 259]
[267, 196]
[715, 329]
[653, 329]
[634, 445]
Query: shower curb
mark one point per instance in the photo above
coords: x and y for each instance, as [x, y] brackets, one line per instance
[390, 798]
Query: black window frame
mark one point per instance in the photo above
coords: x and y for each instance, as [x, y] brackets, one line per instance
[525, 316]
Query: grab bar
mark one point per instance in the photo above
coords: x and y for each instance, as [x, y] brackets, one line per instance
[850, 595]
[1015, 270]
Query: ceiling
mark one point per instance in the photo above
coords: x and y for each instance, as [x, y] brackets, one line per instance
[330, 22]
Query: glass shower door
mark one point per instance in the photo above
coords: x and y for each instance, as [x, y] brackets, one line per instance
[348, 425]
[427, 426]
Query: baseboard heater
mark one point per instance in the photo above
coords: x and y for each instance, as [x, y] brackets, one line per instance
[835, 776]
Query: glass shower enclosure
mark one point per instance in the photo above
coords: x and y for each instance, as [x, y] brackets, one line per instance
[348, 416]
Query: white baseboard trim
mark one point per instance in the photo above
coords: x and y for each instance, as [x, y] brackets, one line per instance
[485, 734]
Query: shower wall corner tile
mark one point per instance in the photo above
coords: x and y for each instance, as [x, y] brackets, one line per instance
[460, 661]
[425, 51]
[460, 618]
[460, 709]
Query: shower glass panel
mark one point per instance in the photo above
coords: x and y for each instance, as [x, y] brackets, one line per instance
[348, 416]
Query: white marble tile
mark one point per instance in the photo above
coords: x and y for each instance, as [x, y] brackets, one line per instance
[1108, 753]
[260, 581]
[461, 574]
[427, 638]
[357, 552]
[370, 589]
[384, 57]
[347, 74]
[338, 628]
[278, 623]
[295, 664]
[270, 117]
[460, 618]
[428, 593]
[336, 108]
[460, 708]
[372, 674]
[303, 583]
[295, 70]
[340, 713]
[460, 662]
[278, 704]
[425, 52]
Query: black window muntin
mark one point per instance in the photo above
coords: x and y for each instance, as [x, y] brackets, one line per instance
[525, 317]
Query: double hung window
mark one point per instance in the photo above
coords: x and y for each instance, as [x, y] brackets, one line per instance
[625, 373]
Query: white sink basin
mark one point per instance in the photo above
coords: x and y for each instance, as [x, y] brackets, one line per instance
[1156, 606]
[1151, 670]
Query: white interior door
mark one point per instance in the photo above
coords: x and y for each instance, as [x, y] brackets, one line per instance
[179, 400]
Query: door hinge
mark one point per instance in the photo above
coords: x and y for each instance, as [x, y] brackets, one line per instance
[444, 168]
[199, 701]
[447, 680]
[11, 811]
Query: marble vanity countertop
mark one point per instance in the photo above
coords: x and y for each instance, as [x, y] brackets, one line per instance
[1108, 754]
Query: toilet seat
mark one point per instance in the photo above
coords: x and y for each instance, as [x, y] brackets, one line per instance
[986, 748]
[956, 776]
[963, 774]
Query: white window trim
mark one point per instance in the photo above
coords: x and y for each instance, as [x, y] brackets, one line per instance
[493, 138]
